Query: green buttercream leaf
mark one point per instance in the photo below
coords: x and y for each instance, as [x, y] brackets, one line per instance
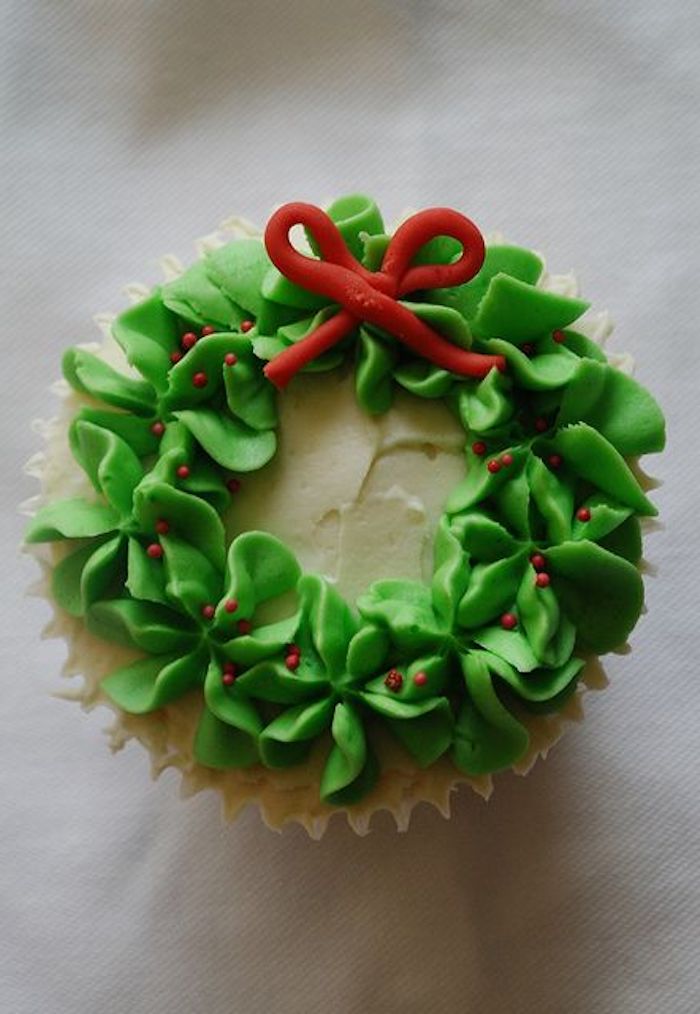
[132, 429]
[367, 651]
[151, 683]
[616, 405]
[206, 357]
[356, 217]
[480, 484]
[542, 372]
[145, 577]
[423, 727]
[229, 704]
[583, 346]
[71, 519]
[446, 321]
[500, 259]
[517, 311]
[510, 645]
[148, 333]
[228, 441]
[238, 269]
[512, 500]
[87, 373]
[188, 517]
[591, 456]
[487, 737]
[263, 642]
[278, 289]
[289, 737]
[451, 573]
[259, 567]
[606, 516]
[198, 299]
[374, 380]
[487, 404]
[554, 500]
[421, 378]
[274, 682]
[602, 594]
[193, 581]
[66, 580]
[249, 394]
[330, 621]
[405, 609]
[104, 572]
[222, 746]
[625, 541]
[111, 465]
[145, 625]
[491, 590]
[435, 668]
[351, 770]
[540, 620]
[545, 690]
[483, 538]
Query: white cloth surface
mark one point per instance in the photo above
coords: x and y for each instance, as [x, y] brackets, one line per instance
[129, 129]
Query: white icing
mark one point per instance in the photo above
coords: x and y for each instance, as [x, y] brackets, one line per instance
[356, 497]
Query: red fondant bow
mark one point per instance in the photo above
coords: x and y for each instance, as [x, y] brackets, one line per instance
[373, 296]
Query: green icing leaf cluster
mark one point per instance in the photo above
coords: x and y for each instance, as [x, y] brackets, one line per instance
[448, 668]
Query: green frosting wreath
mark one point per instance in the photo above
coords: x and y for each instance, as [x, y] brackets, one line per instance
[536, 555]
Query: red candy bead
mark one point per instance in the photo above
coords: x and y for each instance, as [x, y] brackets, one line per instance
[230, 667]
[231, 605]
[509, 621]
[162, 526]
[541, 424]
[230, 359]
[420, 678]
[506, 459]
[200, 380]
[479, 447]
[542, 580]
[188, 340]
[244, 626]
[228, 679]
[207, 330]
[175, 356]
[292, 662]
[208, 611]
[393, 681]
[494, 466]
[183, 472]
[538, 561]
[247, 325]
[583, 514]
[554, 461]
[558, 337]
[233, 485]
[154, 551]
[158, 428]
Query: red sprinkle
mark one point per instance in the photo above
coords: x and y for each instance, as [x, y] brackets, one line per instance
[541, 424]
[538, 561]
[393, 680]
[188, 340]
[231, 605]
[494, 466]
[208, 611]
[200, 380]
[233, 485]
[175, 356]
[162, 526]
[420, 678]
[183, 472]
[509, 621]
[228, 679]
[558, 337]
[230, 359]
[155, 551]
[554, 461]
[479, 447]
[292, 662]
[583, 514]
[247, 325]
[230, 667]
[158, 428]
[244, 626]
[542, 580]
[207, 330]
[506, 459]
[528, 348]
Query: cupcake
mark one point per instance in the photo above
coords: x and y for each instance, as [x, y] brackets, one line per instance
[339, 524]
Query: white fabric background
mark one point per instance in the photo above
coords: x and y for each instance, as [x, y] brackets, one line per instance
[129, 129]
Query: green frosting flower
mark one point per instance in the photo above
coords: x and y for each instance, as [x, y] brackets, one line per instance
[535, 559]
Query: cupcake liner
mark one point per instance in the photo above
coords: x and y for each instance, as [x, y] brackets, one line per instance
[283, 796]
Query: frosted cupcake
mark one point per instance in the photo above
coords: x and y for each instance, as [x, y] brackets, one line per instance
[343, 527]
